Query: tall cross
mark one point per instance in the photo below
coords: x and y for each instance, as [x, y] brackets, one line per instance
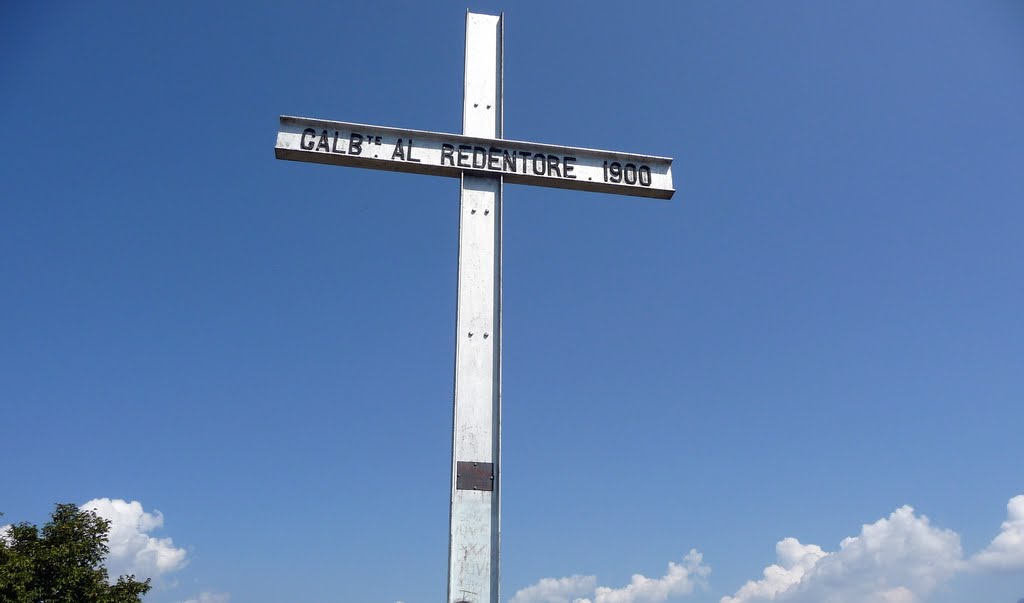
[483, 160]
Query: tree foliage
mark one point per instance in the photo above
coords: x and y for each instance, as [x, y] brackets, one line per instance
[62, 563]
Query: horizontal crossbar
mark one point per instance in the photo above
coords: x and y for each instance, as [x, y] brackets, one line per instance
[439, 154]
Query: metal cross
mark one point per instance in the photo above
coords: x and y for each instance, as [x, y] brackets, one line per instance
[483, 160]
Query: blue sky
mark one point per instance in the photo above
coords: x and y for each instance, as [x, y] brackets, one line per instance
[822, 326]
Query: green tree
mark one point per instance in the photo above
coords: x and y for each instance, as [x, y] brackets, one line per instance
[63, 563]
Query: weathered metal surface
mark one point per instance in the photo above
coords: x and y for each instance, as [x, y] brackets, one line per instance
[470, 475]
[476, 432]
[439, 154]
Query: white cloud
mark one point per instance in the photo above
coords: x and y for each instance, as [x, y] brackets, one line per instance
[899, 559]
[794, 561]
[1006, 551]
[679, 579]
[132, 549]
[556, 590]
[208, 597]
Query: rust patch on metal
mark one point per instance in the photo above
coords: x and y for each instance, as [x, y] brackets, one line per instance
[470, 475]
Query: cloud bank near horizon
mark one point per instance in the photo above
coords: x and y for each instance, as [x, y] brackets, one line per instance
[679, 579]
[901, 558]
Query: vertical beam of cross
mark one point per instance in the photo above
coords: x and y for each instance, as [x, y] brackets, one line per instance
[476, 435]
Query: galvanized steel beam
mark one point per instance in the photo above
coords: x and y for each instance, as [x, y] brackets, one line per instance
[452, 155]
[474, 526]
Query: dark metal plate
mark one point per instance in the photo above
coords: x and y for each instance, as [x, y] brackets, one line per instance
[474, 476]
